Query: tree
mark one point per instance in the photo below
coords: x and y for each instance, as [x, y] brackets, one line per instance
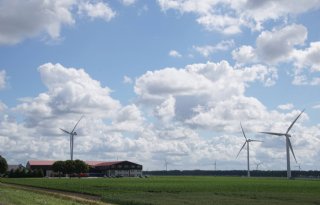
[80, 167]
[70, 167]
[3, 165]
[59, 166]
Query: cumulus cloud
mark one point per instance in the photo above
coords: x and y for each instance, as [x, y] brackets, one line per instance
[229, 16]
[278, 45]
[129, 118]
[97, 10]
[128, 2]
[199, 85]
[175, 54]
[70, 90]
[2, 79]
[28, 19]
[244, 55]
[284, 45]
[208, 50]
[288, 106]
[309, 57]
[166, 110]
[272, 47]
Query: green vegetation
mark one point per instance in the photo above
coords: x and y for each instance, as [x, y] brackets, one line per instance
[13, 196]
[70, 167]
[189, 190]
[3, 165]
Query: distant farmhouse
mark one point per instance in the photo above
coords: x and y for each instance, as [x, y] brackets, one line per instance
[97, 168]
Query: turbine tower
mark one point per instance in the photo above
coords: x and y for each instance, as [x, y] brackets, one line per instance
[288, 144]
[166, 164]
[72, 134]
[248, 152]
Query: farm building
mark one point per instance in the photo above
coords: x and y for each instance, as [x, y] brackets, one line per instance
[97, 168]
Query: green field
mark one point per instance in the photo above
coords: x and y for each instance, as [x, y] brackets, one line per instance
[189, 190]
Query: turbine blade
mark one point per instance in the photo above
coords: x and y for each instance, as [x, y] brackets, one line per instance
[77, 123]
[244, 134]
[65, 131]
[292, 150]
[294, 121]
[273, 133]
[256, 141]
[241, 148]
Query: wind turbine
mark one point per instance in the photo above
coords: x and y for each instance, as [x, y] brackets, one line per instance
[258, 164]
[288, 144]
[72, 134]
[166, 164]
[248, 152]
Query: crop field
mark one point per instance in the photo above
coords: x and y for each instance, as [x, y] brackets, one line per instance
[189, 190]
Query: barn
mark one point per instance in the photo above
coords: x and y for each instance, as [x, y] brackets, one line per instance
[97, 168]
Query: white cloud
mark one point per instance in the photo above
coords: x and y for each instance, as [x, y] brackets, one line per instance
[225, 24]
[3, 107]
[208, 50]
[288, 106]
[199, 85]
[283, 45]
[316, 106]
[97, 10]
[27, 19]
[70, 90]
[175, 54]
[273, 47]
[21, 20]
[128, 2]
[278, 45]
[244, 55]
[2, 79]
[309, 57]
[129, 118]
[166, 110]
[229, 16]
[127, 80]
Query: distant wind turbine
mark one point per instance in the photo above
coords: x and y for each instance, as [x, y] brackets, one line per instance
[258, 164]
[248, 152]
[288, 144]
[72, 134]
[166, 164]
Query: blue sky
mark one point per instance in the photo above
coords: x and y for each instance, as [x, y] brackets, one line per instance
[177, 74]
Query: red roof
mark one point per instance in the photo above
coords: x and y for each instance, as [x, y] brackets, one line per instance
[93, 163]
[108, 163]
[41, 162]
[90, 163]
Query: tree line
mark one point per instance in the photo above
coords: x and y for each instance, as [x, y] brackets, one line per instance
[254, 173]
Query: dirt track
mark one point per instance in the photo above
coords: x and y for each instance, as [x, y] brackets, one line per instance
[79, 197]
